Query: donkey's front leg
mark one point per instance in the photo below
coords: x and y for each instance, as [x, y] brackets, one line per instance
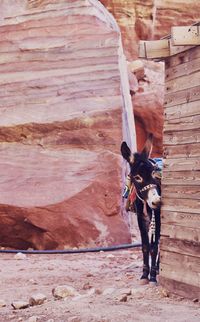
[154, 249]
[154, 253]
[145, 245]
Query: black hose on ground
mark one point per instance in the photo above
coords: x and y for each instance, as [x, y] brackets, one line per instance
[72, 251]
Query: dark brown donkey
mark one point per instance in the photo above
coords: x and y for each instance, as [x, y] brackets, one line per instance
[144, 176]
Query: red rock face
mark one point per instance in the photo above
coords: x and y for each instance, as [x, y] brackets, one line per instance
[60, 126]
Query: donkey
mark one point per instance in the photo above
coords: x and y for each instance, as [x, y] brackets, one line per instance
[147, 184]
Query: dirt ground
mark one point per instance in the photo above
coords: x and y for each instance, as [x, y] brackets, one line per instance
[103, 280]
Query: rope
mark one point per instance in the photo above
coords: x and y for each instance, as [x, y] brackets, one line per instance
[152, 228]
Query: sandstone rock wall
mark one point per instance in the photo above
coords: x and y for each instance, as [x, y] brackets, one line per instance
[60, 125]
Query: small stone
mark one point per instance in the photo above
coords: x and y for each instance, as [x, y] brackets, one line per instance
[144, 281]
[20, 256]
[110, 256]
[134, 256]
[2, 303]
[37, 299]
[195, 300]
[126, 291]
[98, 291]
[122, 295]
[33, 319]
[123, 298]
[20, 305]
[89, 275]
[32, 281]
[74, 319]
[164, 293]
[109, 291]
[86, 286]
[63, 291]
[91, 291]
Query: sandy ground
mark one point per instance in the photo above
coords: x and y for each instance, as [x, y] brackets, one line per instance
[102, 279]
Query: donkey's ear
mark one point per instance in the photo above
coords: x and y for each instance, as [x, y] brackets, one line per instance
[126, 152]
[148, 146]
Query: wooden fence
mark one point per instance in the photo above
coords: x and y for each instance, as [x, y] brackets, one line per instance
[180, 213]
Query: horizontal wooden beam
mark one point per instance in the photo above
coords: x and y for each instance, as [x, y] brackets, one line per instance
[179, 288]
[154, 49]
[185, 35]
[185, 247]
[159, 49]
[181, 39]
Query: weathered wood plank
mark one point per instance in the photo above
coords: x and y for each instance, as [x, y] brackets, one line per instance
[182, 83]
[180, 288]
[182, 110]
[182, 205]
[189, 220]
[181, 58]
[182, 192]
[182, 165]
[159, 49]
[154, 49]
[189, 263]
[185, 35]
[172, 138]
[175, 178]
[182, 96]
[182, 151]
[180, 232]
[174, 50]
[182, 70]
[182, 124]
[180, 274]
[184, 247]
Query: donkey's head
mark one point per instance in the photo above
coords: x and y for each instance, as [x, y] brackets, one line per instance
[143, 174]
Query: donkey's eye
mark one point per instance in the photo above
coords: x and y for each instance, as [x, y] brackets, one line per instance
[153, 174]
[138, 178]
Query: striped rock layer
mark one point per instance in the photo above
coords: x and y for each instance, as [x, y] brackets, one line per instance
[60, 125]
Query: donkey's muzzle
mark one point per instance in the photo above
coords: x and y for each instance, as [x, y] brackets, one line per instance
[154, 199]
[156, 203]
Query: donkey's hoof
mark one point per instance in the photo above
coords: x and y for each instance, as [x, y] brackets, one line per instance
[144, 281]
[153, 281]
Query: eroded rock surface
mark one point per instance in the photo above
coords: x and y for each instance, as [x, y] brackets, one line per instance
[60, 125]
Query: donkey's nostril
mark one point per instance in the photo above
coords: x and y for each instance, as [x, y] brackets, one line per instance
[156, 203]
